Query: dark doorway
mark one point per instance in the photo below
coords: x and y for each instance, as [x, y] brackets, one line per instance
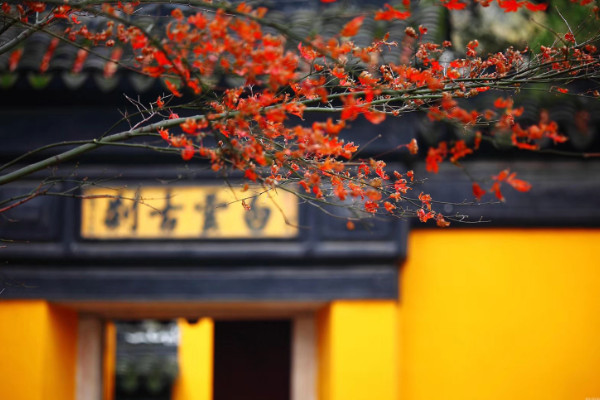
[252, 360]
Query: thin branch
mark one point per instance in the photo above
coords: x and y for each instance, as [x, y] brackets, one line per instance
[21, 37]
[31, 196]
[40, 149]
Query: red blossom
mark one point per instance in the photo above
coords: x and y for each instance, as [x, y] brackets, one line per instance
[413, 146]
[198, 20]
[173, 89]
[441, 221]
[478, 192]
[189, 126]
[511, 5]
[569, 37]
[425, 200]
[164, 133]
[308, 53]
[388, 13]
[371, 206]
[62, 11]
[503, 103]
[459, 150]
[250, 174]
[435, 156]
[424, 216]
[352, 27]
[374, 117]
[496, 191]
[518, 184]
[389, 207]
[453, 4]
[536, 7]
[254, 119]
[187, 153]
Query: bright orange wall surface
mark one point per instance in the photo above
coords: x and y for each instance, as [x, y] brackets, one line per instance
[195, 380]
[500, 314]
[357, 349]
[38, 351]
[109, 361]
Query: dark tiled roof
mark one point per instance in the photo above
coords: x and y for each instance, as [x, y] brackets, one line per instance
[307, 17]
[579, 118]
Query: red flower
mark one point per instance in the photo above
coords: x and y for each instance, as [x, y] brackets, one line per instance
[425, 200]
[187, 153]
[250, 174]
[502, 103]
[352, 27]
[453, 5]
[389, 13]
[371, 207]
[518, 184]
[459, 151]
[441, 222]
[510, 5]
[496, 190]
[478, 192]
[569, 37]
[413, 147]
[435, 156]
[423, 216]
[536, 7]
[389, 206]
[189, 126]
[164, 133]
[173, 89]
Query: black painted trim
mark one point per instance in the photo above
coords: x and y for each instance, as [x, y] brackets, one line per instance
[281, 283]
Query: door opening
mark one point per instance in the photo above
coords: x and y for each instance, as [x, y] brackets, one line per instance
[146, 359]
[252, 360]
[215, 357]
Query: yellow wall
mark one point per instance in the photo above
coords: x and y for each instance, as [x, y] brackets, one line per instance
[500, 314]
[484, 314]
[357, 348]
[109, 361]
[38, 351]
[195, 380]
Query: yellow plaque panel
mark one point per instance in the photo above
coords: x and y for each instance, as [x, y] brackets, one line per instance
[188, 212]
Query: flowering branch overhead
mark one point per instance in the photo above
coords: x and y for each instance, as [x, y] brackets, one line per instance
[256, 125]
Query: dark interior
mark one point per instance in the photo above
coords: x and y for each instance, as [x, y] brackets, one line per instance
[252, 360]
